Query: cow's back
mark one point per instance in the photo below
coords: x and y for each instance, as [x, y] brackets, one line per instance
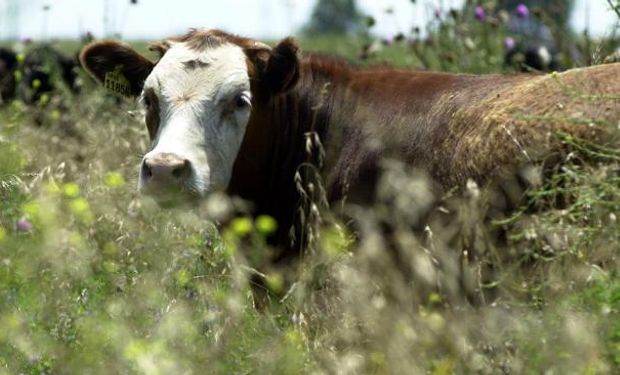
[460, 127]
[523, 120]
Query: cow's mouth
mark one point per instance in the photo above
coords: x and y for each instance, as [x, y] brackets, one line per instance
[172, 197]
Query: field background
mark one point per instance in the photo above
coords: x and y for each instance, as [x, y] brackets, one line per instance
[97, 280]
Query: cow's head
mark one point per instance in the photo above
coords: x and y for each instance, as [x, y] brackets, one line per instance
[199, 99]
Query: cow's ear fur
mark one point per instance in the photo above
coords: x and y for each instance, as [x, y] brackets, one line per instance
[100, 58]
[278, 67]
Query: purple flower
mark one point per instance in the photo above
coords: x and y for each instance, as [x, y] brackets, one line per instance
[480, 14]
[522, 11]
[23, 225]
[509, 43]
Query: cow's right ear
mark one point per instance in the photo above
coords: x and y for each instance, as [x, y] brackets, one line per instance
[119, 67]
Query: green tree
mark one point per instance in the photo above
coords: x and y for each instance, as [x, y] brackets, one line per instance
[334, 17]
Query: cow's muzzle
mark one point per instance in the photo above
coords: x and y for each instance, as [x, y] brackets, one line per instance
[165, 175]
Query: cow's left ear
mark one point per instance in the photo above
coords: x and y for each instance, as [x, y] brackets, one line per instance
[278, 67]
[119, 67]
[283, 67]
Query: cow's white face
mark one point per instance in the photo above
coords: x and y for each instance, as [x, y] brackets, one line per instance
[197, 101]
[198, 106]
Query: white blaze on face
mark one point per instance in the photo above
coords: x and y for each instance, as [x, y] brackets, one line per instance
[204, 105]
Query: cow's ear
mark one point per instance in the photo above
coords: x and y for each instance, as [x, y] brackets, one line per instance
[117, 66]
[282, 70]
[278, 67]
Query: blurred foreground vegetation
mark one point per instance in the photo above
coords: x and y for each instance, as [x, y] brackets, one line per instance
[97, 280]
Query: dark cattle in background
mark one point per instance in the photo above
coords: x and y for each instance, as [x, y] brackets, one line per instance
[48, 66]
[41, 71]
[8, 63]
[535, 48]
[452, 127]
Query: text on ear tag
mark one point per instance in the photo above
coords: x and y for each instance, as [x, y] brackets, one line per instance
[116, 82]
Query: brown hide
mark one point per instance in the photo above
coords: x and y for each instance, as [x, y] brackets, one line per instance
[457, 127]
[453, 127]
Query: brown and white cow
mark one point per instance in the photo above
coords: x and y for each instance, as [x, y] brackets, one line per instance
[230, 113]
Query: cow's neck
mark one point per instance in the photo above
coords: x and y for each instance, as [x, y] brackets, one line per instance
[276, 141]
[336, 103]
[350, 110]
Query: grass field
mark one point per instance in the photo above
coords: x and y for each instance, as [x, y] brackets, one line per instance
[95, 279]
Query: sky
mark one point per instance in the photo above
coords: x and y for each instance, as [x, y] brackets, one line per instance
[154, 19]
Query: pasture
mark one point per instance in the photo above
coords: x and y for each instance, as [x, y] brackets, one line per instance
[96, 279]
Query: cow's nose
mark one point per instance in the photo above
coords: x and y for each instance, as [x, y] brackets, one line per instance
[165, 170]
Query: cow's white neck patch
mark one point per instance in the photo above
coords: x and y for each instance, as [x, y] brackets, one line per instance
[200, 117]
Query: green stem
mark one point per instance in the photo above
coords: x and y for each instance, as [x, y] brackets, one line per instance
[615, 7]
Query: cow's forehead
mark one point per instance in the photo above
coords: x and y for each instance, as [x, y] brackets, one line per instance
[183, 65]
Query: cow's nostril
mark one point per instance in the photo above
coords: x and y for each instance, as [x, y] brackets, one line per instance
[182, 170]
[146, 170]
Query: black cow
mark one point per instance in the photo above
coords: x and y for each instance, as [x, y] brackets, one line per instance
[535, 49]
[40, 72]
[8, 63]
[48, 66]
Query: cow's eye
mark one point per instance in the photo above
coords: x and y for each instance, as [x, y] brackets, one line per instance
[147, 101]
[242, 101]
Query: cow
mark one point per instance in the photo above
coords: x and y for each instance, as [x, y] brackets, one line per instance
[229, 113]
[536, 48]
[47, 66]
[40, 72]
[8, 64]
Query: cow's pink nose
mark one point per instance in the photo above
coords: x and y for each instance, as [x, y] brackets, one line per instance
[165, 171]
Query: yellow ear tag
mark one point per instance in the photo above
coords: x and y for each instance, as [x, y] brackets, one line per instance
[116, 82]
